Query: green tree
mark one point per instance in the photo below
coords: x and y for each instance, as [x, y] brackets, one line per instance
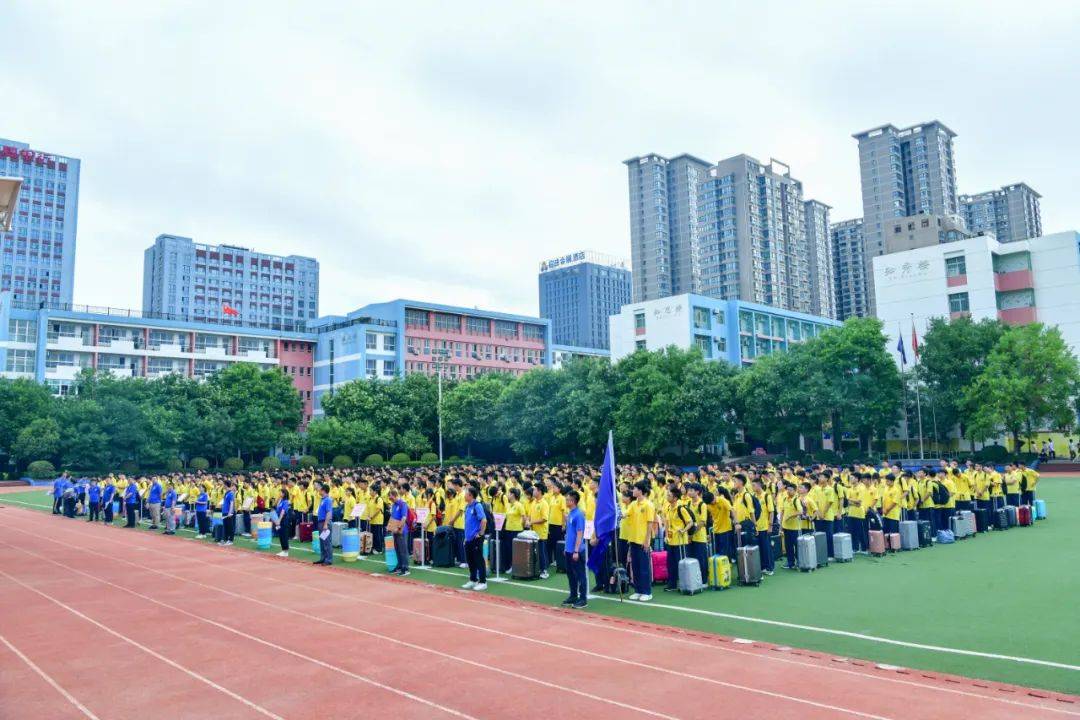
[262, 405]
[471, 413]
[527, 409]
[21, 402]
[40, 440]
[414, 442]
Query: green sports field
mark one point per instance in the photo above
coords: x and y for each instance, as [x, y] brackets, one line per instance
[1001, 606]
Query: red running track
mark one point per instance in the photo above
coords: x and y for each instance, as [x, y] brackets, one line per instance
[98, 622]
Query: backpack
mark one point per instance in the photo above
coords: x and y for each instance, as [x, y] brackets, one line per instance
[489, 517]
[940, 494]
[410, 518]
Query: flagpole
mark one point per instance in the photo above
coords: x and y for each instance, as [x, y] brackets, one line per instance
[918, 395]
[903, 382]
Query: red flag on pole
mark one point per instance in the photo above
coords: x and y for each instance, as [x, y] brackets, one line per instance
[914, 341]
[229, 310]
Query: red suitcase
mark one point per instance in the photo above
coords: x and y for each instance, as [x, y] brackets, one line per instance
[421, 551]
[659, 566]
[303, 531]
[1023, 515]
[894, 541]
[877, 542]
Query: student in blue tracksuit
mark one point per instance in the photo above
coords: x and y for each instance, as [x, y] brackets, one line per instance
[131, 501]
[153, 501]
[283, 520]
[170, 513]
[475, 527]
[575, 552]
[228, 515]
[322, 526]
[107, 499]
[69, 496]
[93, 502]
[57, 494]
[399, 514]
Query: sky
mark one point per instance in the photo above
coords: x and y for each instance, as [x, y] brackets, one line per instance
[441, 151]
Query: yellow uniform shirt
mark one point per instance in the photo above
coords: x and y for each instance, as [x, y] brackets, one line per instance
[639, 515]
[538, 518]
[515, 516]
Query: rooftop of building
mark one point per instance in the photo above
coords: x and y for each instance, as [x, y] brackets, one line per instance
[974, 197]
[902, 132]
[25, 146]
[657, 156]
[585, 256]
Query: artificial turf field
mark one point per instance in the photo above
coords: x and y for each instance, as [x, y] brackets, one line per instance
[1001, 606]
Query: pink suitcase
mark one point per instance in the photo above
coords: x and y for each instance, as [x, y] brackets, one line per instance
[894, 541]
[877, 542]
[659, 566]
[1023, 515]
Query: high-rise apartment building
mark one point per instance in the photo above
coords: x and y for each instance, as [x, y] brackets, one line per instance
[663, 223]
[908, 171]
[822, 274]
[849, 268]
[752, 235]
[37, 254]
[1011, 213]
[189, 280]
[578, 293]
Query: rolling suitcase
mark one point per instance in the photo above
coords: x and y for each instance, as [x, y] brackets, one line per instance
[689, 580]
[367, 541]
[877, 542]
[1040, 509]
[822, 549]
[1001, 519]
[926, 534]
[335, 533]
[525, 564]
[719, 572]
[560, 557]
[806, 553]
[777, 542]
[893, 541]
[842, 547]
[909, 535]
[749, 565]
[421, 550]
[303, 531]
[1010, 511]
[970, 527]
[982, 520]
[442, 547]
[1023, 515]
[659, 566]
[219, 533]
[390, 555]
[957, 526]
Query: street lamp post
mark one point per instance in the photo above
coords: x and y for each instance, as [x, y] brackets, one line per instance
[440, 356]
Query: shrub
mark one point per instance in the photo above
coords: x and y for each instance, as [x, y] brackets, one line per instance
[41, 470]
[738, 449]
[233, 464]
[174, 465]
[129, 467]
[271, 463]
[429, 457]
[307, 461]
[199, 463]
[399, 458]
[992, 454]
[453, 459]
[829, 457]
[374, 459]
[342, 461]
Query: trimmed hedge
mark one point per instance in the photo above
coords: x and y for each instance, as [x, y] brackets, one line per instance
[199, 464]
[307, 461]
[342, 461]
[41, 470]
[429, 457]
[271, 463]
[400, 458]
[233, 464]
[991, 454]
[374, 459]
[174, 465]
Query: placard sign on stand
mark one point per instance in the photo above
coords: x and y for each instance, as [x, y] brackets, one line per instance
[590, 529]
[358, 510]
[500, 520]
[421, 517]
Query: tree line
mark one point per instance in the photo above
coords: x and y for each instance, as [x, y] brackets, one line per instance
[982, 379]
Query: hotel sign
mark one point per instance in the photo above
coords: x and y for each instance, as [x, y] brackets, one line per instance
[560, 261]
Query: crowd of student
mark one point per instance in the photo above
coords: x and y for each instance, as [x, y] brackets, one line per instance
[710, 511]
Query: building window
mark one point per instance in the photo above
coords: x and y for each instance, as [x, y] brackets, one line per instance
[702, 343]
[371, 341]
[701, 318]
[721, 344]
[478, 326]
[370, 368]
[416, 318]
[639, 345]
[958, 302]
[20, 361]
[389, 368]
[389, 343]
[639, 321]
[955, 266]
[22, 331]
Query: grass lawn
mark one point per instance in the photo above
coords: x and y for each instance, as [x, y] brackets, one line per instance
[1008, 594]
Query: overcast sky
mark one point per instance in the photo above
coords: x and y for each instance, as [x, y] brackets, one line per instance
[441, 151]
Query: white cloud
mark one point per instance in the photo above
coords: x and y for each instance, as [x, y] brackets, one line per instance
[440, 151]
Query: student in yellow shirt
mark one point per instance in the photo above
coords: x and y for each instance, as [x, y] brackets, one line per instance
[538, 523]
[891, 505]
[1029, 479]
[1012, 485]
[640, 525]
[556, 516]
[678, 523]
[791, 510]
[722, 515]
[376, 507]
[764, 524]
[699, 530]
[512, 525]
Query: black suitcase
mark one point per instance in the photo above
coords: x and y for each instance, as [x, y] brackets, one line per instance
[982, 520]
[1001, 519]
[560, 556]
[926, 533]
[777, 547]
[442, 547]
[219, 533]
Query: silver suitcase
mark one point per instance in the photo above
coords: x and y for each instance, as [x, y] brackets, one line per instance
[909, 535]
[842, 547]
[335, 533]
[690, 577]
[806, 552]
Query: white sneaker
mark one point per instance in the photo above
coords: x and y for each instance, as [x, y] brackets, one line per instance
[544, 575]
[645, 598]
[463, 566]
[635, 596]
[480, 586]
[469, 585]
[199, 537]
[229, 542]
[283, 553]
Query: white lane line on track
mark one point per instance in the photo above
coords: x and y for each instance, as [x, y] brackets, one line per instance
[48, 678]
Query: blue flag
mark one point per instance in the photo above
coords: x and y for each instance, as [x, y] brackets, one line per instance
[606, 519]
[900, 349]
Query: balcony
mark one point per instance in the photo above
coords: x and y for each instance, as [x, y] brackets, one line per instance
[956, 280]
[1018, 316]
[69, 342]
[1014, 280]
